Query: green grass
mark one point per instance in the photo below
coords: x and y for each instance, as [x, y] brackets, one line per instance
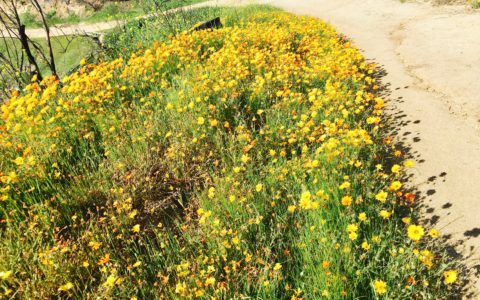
[122, 41]
[53, 19]
[67, 56]
[115, 11]
[110, 11]
[125, 11]
[77, 49]
[30, 20]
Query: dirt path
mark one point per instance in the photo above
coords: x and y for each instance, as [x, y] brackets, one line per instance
[95, 28]
[432, 59]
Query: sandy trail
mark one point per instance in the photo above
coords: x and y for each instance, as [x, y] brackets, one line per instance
[95, 28]
[432, 59]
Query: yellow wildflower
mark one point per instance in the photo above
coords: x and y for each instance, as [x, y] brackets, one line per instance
[415, 232]
[380, 287]
[450, 276]
[5, 275]
[353, 235]
[67, 286]
[385, 214]
[381, 196]
[345, 185]
[362, 216]
[305, 200]
[395, 186]
[346, 201]
[210, 281]
[291, 208]
[395, 169]
[137, 264]
[365, 246]
[111, 281]
[408, 164]
[277, 267]
[426, 257]
[136, 228]
[434, 233]
[19, 161]
[211, 192]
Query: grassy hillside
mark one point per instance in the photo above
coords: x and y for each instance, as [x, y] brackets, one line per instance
[122, 10]
[67, 50]
[247, 162]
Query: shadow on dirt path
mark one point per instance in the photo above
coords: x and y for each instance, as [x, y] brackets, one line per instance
[395, 121]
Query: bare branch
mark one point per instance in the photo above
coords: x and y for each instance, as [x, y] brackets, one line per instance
[51, 62]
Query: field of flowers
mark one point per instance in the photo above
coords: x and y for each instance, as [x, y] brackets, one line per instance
[247, 162]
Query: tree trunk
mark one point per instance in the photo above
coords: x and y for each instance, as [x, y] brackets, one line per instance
[28, 52]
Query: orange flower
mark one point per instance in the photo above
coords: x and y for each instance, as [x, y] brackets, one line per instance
[347, 201]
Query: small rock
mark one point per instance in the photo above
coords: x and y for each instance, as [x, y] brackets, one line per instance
[212, 24]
